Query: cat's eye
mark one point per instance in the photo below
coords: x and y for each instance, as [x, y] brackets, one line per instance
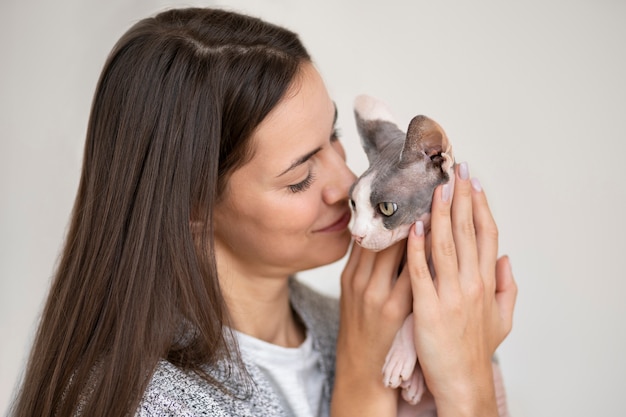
[387, 208]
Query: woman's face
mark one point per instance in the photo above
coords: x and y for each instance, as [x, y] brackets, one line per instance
[286, 210]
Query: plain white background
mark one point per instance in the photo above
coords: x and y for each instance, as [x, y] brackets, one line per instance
[532, 95]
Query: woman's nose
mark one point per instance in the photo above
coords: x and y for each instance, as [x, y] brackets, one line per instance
[340, 180]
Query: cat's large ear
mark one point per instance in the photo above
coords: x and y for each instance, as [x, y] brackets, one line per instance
[375, 124]
[425, 138]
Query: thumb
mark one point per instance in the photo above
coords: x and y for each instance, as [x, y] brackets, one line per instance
[506, 291]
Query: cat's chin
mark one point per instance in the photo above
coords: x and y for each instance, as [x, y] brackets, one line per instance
[382, 240]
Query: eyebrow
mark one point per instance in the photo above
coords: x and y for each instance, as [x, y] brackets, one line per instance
[308, 155]
[300, 161]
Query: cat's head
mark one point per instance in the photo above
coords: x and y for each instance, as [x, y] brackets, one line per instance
[397, 188]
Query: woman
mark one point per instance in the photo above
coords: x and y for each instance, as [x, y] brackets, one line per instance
[212, 174]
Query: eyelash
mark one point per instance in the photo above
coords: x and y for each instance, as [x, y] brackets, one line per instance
[304, 185]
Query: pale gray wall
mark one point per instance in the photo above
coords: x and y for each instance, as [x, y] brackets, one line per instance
[532, 94]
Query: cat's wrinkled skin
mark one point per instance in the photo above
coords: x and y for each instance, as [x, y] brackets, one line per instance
[391, 195]
[404, 170]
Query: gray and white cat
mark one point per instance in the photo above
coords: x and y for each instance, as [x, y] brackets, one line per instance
[397, 188]
[391, 195]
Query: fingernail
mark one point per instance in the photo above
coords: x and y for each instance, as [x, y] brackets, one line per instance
[476, 184]
[419, 228]
[464, 171]
[445, 192]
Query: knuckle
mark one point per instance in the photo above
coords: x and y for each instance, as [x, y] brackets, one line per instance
[440, 210]
[358, 286]
[456, 306]
[421, 270]
[490, 230]
[476, 289]
[351, 284]
[372, 297]
[467, 228]
[447, 249]
[392, 311]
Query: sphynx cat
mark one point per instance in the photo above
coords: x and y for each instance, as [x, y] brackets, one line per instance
[391, 195]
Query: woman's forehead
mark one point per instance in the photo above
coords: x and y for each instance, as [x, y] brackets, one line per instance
[300, 122]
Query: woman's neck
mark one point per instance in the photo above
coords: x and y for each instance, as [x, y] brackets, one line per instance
[260, 307]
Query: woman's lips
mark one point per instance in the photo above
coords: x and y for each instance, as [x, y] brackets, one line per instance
[340, 224]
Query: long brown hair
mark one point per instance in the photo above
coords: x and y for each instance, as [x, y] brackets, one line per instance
[175, 106]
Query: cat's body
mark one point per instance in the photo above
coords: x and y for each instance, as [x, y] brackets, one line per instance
[391, 195]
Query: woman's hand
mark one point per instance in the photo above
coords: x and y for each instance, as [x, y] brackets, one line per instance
[373, 306]
[466, 311]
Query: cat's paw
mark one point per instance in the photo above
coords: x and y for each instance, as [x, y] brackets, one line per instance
[414, 388]
[425, 408]
[402, 358]
[399, 365]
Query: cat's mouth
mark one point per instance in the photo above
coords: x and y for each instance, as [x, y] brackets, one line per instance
[340, 224]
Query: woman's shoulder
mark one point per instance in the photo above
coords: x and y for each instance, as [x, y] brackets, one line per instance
[175, 392]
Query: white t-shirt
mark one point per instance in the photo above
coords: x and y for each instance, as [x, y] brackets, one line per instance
[294, 373]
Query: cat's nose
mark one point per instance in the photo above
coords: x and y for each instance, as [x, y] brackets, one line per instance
[358, 239]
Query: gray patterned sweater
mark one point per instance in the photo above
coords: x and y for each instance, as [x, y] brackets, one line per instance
[174, 392]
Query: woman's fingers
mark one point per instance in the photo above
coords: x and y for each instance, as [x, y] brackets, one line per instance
[473, 241]
[372, 309]
[468, 311]
[358, 269]
[486, 235]
[371, 280]
[463, 225]
[443, 248]
[401, 297]
[424, 291]
[373, 271]
[353, 261]
[385, 269]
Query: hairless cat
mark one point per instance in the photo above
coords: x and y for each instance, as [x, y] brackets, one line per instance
[391, 195]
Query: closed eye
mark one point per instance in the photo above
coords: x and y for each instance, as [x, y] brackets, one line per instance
[303, 185]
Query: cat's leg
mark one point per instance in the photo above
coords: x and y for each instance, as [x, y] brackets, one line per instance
[402, 357]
